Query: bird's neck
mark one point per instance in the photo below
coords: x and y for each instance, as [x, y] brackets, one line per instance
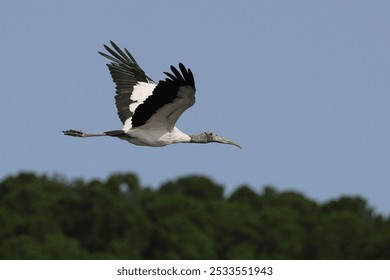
[198, 138]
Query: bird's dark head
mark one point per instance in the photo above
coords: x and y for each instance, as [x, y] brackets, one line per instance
[208, 137]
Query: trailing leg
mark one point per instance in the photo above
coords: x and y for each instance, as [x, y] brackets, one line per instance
[79, 133]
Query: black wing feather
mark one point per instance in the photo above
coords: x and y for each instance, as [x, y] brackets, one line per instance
[126, 73]
[165, 92]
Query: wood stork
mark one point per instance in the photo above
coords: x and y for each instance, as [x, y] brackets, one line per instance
[149, 111]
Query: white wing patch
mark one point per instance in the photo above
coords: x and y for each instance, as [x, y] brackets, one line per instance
[141, 91]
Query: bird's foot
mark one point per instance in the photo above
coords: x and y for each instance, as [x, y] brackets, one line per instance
[74, 133]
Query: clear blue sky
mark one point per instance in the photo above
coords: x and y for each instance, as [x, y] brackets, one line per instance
[304, 86]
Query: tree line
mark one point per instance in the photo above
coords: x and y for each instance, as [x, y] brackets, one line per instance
[43, 217]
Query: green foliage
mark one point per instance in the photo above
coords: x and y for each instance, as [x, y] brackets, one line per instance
[188, 218]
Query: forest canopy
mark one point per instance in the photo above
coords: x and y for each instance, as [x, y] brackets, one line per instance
[44, 217]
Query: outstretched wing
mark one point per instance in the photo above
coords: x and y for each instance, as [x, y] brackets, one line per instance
[133, 86]
[169, 100]
[140, 101]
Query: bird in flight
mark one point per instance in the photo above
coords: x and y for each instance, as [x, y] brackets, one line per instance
[149, 111]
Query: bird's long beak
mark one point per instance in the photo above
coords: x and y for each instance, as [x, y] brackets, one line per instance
[223, 140]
